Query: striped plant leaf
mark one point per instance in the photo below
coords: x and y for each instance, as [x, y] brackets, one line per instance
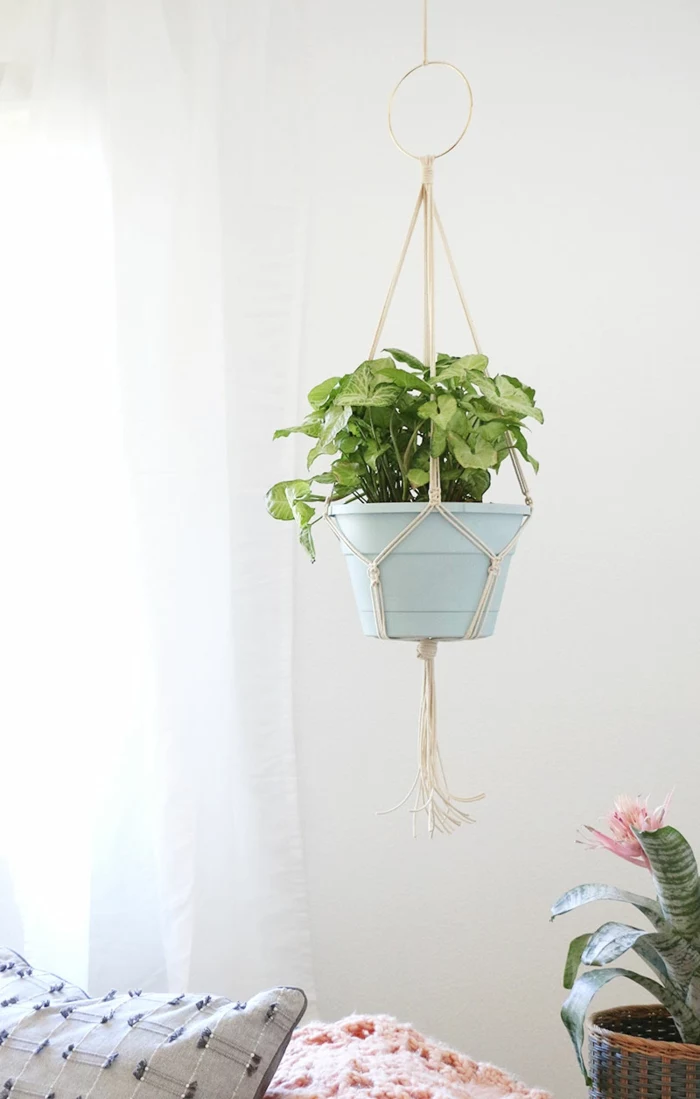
[675, 875]
[673, 958]
[575, 1007]
[681, 958]
[585, 894]
[609, 942]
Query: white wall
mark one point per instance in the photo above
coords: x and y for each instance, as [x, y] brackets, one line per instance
[573, 209]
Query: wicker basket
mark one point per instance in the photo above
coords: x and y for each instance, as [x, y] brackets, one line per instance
[637, 1053]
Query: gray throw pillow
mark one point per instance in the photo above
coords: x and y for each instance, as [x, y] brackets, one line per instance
[19, 981]
[139, 1045]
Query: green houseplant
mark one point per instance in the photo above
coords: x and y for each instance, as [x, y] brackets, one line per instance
[380, 425]
[658, 1046]
[374, 432]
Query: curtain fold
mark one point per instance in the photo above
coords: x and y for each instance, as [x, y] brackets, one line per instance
[154, 273]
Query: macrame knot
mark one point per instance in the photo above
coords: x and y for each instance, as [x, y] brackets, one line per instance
[427, 163]
[427, 649]
[495, 566]
[434, 497]
[373, 574]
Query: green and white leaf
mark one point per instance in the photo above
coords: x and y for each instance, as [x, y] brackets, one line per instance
[440, 411]
[675, 875]
[334, 421]
[609, 942]
[362, 390]
[312, 429]
[320, 393]
[483, 456]
[346, 473]
[461, 368]
[401, 378]
[281, 496]
[501, 392]
[586, 894]
[680, 957]
[408, 360]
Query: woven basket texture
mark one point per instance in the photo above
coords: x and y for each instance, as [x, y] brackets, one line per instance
[637, 1053]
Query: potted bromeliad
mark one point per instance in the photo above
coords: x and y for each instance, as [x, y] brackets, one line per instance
[374, 432]
[651, 1050]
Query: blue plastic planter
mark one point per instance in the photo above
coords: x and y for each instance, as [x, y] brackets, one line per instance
[433, 580]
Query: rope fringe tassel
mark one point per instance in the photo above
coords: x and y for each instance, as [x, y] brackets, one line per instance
[433, 796]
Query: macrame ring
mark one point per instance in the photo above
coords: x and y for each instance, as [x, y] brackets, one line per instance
[392, 98]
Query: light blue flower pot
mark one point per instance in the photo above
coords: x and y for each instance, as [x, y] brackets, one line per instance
[433, 580]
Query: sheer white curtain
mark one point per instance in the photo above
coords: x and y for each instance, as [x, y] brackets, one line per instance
[152, 213]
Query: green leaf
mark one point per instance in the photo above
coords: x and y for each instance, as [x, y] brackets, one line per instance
[478, 482]
[609, 942]
[279, 498]
[438, 442]
[317, 451]
[372, 453]
[493, 430]
[521, 446]
[459, 423]
[585, 894]
[502, 393]
[402, 378]
[346, 473]
[320, 393]
[403, 357]
[348, 444]
[460, 368]
[302, 512]
[418, 477]
[362, 390]
[313, 430]
[675, 875]
[573, 959]
[334, 421]
[483, 456]
[574, 1010]
[440, 411]
[307, 541]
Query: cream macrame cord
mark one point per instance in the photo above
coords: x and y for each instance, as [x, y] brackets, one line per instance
[430, 785]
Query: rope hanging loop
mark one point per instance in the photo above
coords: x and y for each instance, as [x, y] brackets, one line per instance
[402, 81]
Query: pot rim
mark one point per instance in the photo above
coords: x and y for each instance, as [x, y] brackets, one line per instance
[636, 1043]
[356, 507]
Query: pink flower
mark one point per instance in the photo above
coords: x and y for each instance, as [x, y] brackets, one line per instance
[628, 814]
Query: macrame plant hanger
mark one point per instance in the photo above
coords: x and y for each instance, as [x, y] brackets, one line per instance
[433, 796]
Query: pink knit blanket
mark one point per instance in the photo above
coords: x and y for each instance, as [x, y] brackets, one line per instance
[375, 1057]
